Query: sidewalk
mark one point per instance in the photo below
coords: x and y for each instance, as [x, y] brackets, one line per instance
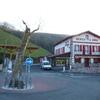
[60, 70]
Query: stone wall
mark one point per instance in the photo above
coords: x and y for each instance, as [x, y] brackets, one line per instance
[94, 68]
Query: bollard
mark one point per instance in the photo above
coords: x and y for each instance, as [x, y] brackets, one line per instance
[63, 68]
[70, 67]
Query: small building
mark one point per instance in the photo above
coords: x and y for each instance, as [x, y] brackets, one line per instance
[78, 51]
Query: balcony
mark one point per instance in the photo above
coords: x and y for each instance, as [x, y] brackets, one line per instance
[95, 53]
[78, 52]
[86, 53]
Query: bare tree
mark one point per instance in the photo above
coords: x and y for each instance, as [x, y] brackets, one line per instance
[17, 68]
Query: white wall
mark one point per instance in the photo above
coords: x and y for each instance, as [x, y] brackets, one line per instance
[65, 44]
[79, 40]
[82, 38]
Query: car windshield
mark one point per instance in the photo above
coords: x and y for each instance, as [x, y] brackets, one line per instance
[46, 63]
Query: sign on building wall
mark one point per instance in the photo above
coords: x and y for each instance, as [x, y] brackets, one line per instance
[86, 38]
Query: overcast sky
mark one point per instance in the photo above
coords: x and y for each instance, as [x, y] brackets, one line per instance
[55, 16]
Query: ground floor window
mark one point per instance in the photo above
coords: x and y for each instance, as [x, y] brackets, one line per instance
[82, 60]
[96, 60]
[62, 61]
[91, 60]
[77, 60]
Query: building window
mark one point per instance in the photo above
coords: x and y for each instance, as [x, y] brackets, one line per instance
[93, 48]
[92, 61]
[57, 51]
[77, 60]
[87, 49]
[62, 50]
[67, 43]
[81, 47]
[96, 60]
[87, 37]
[82, 60]
[77, 48]
[99, 48]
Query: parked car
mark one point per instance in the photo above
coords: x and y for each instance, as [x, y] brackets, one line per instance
[46, 65]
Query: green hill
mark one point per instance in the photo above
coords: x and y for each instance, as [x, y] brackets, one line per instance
[47, 40]
[44, 40]
[7, 38]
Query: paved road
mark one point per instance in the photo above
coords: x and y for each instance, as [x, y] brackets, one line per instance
[49, 85]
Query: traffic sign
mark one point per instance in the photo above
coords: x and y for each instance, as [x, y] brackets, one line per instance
[29, 61]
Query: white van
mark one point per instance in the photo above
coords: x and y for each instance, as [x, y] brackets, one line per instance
[46, 65]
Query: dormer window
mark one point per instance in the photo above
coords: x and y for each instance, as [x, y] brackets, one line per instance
[67, 43]
[87, 37]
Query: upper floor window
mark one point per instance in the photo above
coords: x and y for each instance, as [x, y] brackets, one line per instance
[87, 37]
[62, 50]
[67, 43]
[77, 48]
[87, 48]
[57, 51]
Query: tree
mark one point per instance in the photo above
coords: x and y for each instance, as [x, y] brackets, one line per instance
[17, 68]
[6, 26]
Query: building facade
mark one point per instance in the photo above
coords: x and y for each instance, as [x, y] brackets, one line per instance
[78, 51]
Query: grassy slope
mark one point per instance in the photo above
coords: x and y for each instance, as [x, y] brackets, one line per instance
[44, 40]
[47, 40]
[5, 37]
[8, 39]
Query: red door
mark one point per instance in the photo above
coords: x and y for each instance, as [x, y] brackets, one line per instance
[86, 62]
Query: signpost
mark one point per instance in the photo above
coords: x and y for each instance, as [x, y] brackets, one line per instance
[28, 63]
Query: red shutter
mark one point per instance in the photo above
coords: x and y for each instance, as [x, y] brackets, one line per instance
[58, 51]
[81, 48]
[90, 50]
[63, 50]
[99, 48]
[93, 48]
[96, 48]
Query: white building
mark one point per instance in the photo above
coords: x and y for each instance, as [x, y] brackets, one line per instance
[78, 51]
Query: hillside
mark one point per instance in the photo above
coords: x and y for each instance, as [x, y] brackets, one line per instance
[8, 38]
[47, 40]
[44, 40]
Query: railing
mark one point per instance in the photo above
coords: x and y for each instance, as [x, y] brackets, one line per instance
[78, 52]
[87, 53]
[95, 53]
